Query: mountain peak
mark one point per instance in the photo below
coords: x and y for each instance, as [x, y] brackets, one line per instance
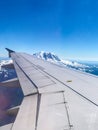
[48, 56]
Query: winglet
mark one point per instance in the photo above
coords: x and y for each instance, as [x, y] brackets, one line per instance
[9, 51]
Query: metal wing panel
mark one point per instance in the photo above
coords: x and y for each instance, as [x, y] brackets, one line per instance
[27, 86]
[28, 72]
[62, 105]
[26, 118]
[6, 127]
[53, 113]
[83, 114]
[51, 104]
[83, 83]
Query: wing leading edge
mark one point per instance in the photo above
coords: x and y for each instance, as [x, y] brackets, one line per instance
[50, 102]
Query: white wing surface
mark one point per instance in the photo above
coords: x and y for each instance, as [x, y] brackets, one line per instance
[55, 98]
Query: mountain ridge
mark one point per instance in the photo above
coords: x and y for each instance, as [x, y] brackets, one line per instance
[51, 57]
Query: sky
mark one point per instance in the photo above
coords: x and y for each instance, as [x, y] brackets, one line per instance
[68, 28]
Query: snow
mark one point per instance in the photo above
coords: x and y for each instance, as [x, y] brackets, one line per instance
[47, 56]
[5, 62]
[74, 63]
[6, 74]
[54, 58]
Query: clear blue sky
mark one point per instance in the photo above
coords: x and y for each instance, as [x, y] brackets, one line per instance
[68, 28]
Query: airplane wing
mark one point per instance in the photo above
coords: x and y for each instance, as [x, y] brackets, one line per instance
[55, 97]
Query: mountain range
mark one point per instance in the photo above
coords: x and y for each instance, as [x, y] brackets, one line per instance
[50, 57]
[89, 67]
[55, 59]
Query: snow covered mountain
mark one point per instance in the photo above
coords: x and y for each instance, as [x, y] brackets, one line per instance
[11, 73]
[47, 56]
[54, 58]
[91, 68]
[6, 74]
[5, 62]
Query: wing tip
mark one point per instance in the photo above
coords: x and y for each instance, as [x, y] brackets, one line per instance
[9, 51]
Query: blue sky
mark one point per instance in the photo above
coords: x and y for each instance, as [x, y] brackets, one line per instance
[68, 28]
